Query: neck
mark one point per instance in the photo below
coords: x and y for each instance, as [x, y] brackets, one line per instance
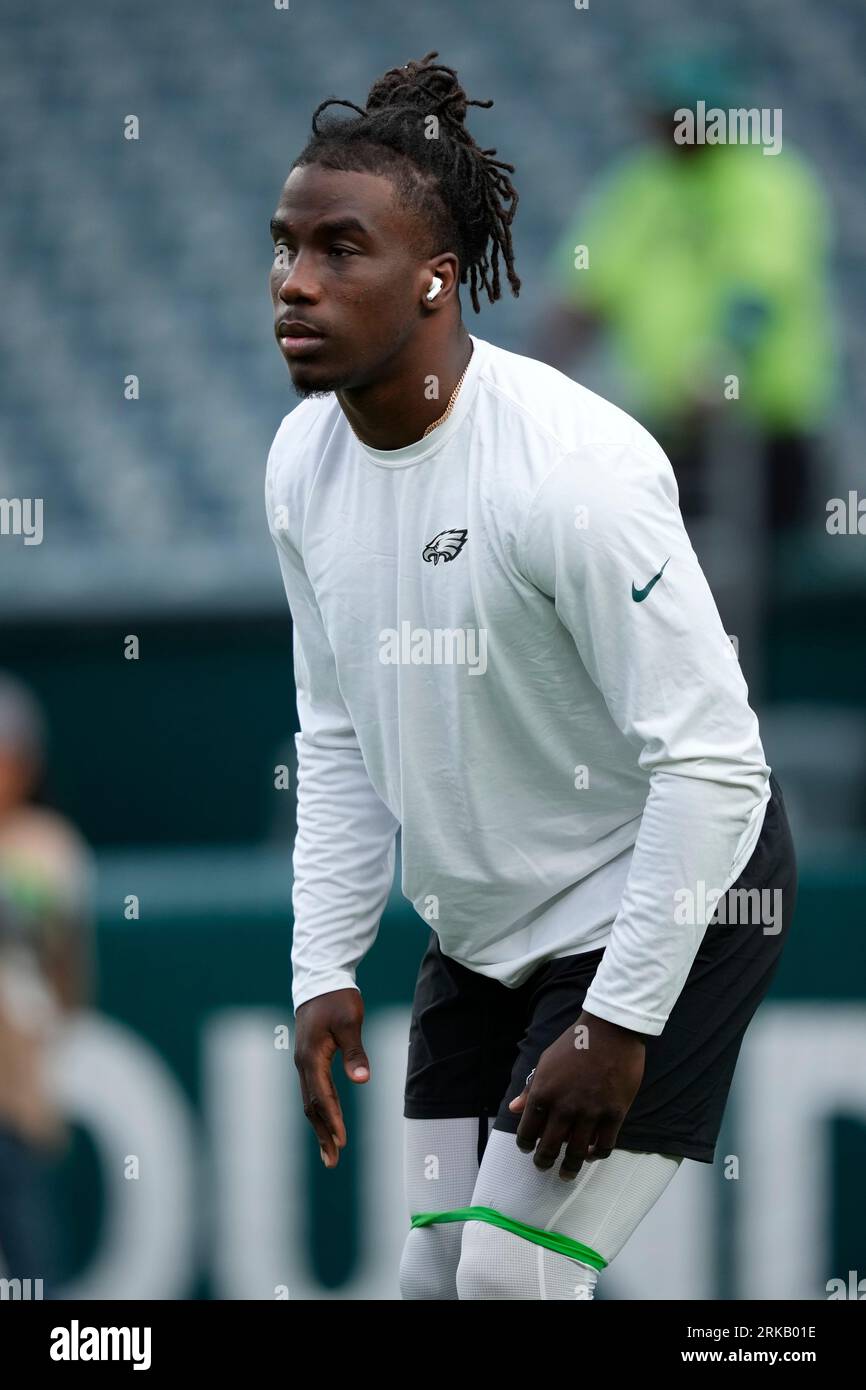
[394, 411]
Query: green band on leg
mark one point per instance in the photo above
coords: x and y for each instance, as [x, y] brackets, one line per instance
[561, 1245]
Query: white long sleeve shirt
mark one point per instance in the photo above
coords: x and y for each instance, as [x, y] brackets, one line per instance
[504, 644]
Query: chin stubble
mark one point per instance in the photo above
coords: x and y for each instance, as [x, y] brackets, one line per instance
[305, 392]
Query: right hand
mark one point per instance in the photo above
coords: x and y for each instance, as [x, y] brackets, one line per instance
[327, 1024]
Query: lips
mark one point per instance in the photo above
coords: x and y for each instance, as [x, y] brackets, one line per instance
[296, 328]
[301, 346]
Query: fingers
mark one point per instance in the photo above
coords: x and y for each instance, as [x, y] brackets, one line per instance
[321, 1102]
[588, 1142]
[519, 1101]
[326, 1023]
[355, 1063]
[607, 1132]
[574, 1156]
[545, 1128]
[534, 1120]
[553, 1136]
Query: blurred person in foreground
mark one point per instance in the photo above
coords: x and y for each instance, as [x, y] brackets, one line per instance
[45, 898]
[505, 645]
[696, 262]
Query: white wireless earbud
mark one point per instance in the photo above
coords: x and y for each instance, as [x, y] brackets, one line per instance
[434, 288]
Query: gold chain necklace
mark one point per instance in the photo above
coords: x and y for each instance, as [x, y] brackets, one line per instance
[450, 404]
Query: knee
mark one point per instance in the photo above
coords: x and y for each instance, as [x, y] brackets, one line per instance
[428, 1265]
[487, 1267]
[500, 1266]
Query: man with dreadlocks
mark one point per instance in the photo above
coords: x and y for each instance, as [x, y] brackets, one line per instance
[505, 647]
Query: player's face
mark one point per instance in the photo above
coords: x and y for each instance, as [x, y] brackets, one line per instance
[343, 266]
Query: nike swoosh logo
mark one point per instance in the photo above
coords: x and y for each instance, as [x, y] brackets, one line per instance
[640, 594]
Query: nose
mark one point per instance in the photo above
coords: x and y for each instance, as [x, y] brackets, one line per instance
[298, 282]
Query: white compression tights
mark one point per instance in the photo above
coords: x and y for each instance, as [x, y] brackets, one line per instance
[472, 1259]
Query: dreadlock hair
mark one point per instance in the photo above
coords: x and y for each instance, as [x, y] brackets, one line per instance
[462, 195]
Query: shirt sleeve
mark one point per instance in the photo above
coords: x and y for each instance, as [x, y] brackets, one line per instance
[344, 851]
[604, 538]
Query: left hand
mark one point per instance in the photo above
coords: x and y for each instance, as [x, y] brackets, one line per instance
[580, 1093]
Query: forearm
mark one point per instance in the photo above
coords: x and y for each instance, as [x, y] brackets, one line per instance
[343, 869]
[695, 837]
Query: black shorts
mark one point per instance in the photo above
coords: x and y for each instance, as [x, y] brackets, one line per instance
[474, 1041]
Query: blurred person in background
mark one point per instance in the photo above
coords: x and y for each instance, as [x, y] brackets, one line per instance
[705, 261]
[45, 896]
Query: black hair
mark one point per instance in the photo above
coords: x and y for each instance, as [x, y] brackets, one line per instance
[461, 194]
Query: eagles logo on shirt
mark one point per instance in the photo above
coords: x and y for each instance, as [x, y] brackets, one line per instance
[444, 546]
